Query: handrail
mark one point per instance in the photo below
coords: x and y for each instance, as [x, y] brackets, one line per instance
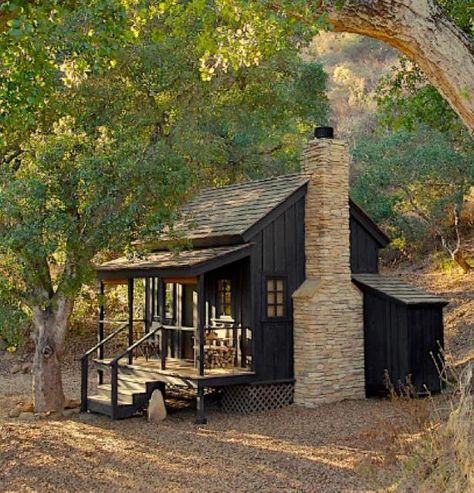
[112, 321]
[135, 345]
[85, 366]
[103, 341]
[114, 369]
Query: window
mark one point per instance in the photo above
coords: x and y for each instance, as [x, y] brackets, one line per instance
[224, 298]
[170, 297]
[276, 297]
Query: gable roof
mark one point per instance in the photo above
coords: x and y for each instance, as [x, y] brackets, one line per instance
[231, 214]
[226, 214]
[396, 289]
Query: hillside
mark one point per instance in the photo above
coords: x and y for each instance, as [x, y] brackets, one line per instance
[355, 65]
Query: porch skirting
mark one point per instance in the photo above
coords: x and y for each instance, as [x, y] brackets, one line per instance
[254, 398]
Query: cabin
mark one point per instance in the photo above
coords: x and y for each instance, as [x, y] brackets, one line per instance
[275, 298]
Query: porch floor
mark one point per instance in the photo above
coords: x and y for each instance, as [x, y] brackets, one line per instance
[182, 371]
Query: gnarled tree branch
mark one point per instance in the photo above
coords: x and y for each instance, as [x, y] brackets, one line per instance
[424, 33]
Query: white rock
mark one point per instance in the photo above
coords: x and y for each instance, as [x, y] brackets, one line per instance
[156, 407]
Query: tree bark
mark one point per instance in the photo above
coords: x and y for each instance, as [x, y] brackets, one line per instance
[424, 33]
[459, 258]
[51, 325]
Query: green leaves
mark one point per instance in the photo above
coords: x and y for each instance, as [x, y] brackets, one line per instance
[106, 121]
[412, 182]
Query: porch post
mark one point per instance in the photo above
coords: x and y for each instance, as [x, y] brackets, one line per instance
[201, 321]
[160, 298]
[130, 318]
[100, 333]
[200, 417]
[147, 317]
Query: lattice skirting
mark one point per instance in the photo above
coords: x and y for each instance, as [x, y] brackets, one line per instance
[254, 398]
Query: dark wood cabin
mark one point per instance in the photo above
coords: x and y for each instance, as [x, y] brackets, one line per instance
[219, 314]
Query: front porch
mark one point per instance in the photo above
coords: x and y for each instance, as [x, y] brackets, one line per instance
[187, 326]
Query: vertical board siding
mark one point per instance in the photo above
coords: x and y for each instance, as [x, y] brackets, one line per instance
[399, 338]
[364, 249]
[279, 250]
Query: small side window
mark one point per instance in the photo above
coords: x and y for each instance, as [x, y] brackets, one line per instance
[276, 297]
[224, 298]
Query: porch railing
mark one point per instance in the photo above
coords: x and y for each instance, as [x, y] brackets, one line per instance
[85, 364]
[114, 366]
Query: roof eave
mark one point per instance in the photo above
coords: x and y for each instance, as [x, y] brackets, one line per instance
[179, 271]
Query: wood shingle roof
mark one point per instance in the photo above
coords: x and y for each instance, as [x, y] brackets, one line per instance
[394, 288]
[232, 210]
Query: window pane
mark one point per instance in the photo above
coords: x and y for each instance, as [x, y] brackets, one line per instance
[271, 298]
[270, 311]
[279, 298]
[279, 284]
[280, 311]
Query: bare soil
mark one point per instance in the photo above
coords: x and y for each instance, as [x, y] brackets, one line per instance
[335, 448]
[351, 446]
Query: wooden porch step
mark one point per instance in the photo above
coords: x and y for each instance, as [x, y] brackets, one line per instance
[99, 404]
[124, 394]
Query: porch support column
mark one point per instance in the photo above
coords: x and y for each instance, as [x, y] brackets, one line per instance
[161, 300]
[130, 318]
[201, 322]
[100, 331]
[147, 317]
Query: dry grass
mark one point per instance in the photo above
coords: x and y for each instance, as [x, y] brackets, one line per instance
[443, 459]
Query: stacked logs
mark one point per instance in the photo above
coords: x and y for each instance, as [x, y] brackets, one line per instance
[217, 354]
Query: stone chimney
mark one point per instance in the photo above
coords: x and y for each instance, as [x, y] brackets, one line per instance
[327, 308]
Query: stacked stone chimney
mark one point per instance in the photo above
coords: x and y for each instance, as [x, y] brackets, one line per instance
[328, 310]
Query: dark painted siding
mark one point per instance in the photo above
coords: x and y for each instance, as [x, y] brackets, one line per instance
[399, 338]
[364, 249]
[279, 250]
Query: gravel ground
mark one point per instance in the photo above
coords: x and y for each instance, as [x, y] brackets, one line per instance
[330, 449]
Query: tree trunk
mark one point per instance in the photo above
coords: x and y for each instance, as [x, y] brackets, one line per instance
[459, 258]
[51, 325]
[424, 33]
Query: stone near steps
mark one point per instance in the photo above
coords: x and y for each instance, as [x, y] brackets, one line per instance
[68, 413]
[156, 407]
[26, 417]
[15, 412]
[71, 403]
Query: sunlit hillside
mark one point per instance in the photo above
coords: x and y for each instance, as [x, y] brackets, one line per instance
[355, 65]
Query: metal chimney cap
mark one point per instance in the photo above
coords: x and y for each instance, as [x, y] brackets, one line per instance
[324, 133]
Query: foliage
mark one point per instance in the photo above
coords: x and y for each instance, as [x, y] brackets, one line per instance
[111, 110]
[414, 183]
[406, 99]
[13, 318]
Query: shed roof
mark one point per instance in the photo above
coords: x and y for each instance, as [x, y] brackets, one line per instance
[185, 263]
[394, 288]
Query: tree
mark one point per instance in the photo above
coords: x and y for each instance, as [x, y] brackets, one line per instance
[110, 112]
[423, 31]
[416, 183]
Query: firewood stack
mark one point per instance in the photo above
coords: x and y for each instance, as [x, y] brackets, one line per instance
[217, 354]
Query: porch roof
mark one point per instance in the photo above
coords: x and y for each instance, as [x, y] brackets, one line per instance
[166, 263]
